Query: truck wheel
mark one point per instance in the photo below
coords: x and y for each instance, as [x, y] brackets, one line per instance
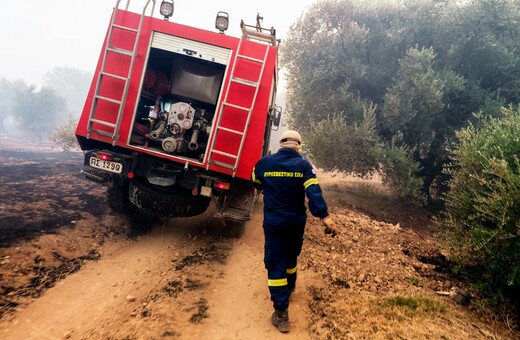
[160, 201]
[117, 195]
[140, 222]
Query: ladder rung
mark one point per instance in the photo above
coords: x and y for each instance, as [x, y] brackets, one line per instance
[103, 133]
[103, 122]
[250, 58]
[120, 51]
[245, 81]
[115, 101]
[130, 29]
[225, 154]
[238, 107]
[260, 36]
[224, 165]
[241, 133]
[113, 76]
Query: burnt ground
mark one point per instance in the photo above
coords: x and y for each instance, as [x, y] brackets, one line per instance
[42, 192]
[42, 198]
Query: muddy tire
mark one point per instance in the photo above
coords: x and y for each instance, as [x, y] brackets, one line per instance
[162, 202]
[140, 222]
[117, 196]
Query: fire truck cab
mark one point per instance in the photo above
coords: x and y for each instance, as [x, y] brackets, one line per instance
[176, 116]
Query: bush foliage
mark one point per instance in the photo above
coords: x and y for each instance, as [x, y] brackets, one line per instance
[64, 134]
[336, 145]
[356, 149]
[483, 204]
[398, 172]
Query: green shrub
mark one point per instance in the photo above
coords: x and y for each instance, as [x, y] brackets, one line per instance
[337, 145]
[483, 204]
[356, 149]
[64, 134]
[399, 172]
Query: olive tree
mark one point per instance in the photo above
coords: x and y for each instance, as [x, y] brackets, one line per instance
[424, 65]
[72, 84]
[38, 112]
[483, 204]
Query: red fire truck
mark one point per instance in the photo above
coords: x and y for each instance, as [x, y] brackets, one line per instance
[176, 116]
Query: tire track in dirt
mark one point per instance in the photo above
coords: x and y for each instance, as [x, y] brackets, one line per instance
[182, 280]
[240, 304]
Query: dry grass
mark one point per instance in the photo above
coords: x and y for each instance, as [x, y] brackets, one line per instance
[362, 315]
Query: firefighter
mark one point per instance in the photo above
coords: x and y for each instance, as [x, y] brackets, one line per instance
[285, 178]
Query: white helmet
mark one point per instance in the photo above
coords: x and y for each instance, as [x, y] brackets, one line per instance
[290, 139]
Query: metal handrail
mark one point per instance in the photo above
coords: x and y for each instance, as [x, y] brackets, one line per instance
[259, 33]
[144, 8]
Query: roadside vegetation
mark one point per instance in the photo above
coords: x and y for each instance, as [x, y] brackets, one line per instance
[64, 134]
[482, 216]
[424, 94]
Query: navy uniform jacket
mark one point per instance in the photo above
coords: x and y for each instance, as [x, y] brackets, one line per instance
[286, 177]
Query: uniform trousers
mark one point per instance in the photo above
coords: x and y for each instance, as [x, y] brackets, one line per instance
[283, 245]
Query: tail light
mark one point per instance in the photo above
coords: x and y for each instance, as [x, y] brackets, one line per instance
[104, 156]
[221, 186]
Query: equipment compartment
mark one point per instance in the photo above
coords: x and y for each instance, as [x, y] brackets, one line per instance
[177, 103]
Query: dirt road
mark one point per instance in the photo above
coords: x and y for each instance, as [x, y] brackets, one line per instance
[180, 280]
[69, 268]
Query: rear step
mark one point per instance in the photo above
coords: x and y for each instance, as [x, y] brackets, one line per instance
[94, 175]
[235, 214]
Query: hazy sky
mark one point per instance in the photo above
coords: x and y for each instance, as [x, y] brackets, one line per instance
[37, 35]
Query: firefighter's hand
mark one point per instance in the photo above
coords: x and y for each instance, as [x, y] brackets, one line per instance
[330, 226]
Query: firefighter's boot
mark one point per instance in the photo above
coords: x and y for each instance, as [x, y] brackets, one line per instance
[281, 320]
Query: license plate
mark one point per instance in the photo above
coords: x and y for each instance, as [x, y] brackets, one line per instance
[109, 166]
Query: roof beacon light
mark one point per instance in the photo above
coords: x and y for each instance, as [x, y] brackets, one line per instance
[222, 21]
[166, 9]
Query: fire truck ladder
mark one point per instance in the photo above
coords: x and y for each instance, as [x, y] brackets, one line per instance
[247, 110]
[103, 74]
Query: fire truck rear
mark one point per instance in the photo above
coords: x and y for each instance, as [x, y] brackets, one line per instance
[176, 116]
